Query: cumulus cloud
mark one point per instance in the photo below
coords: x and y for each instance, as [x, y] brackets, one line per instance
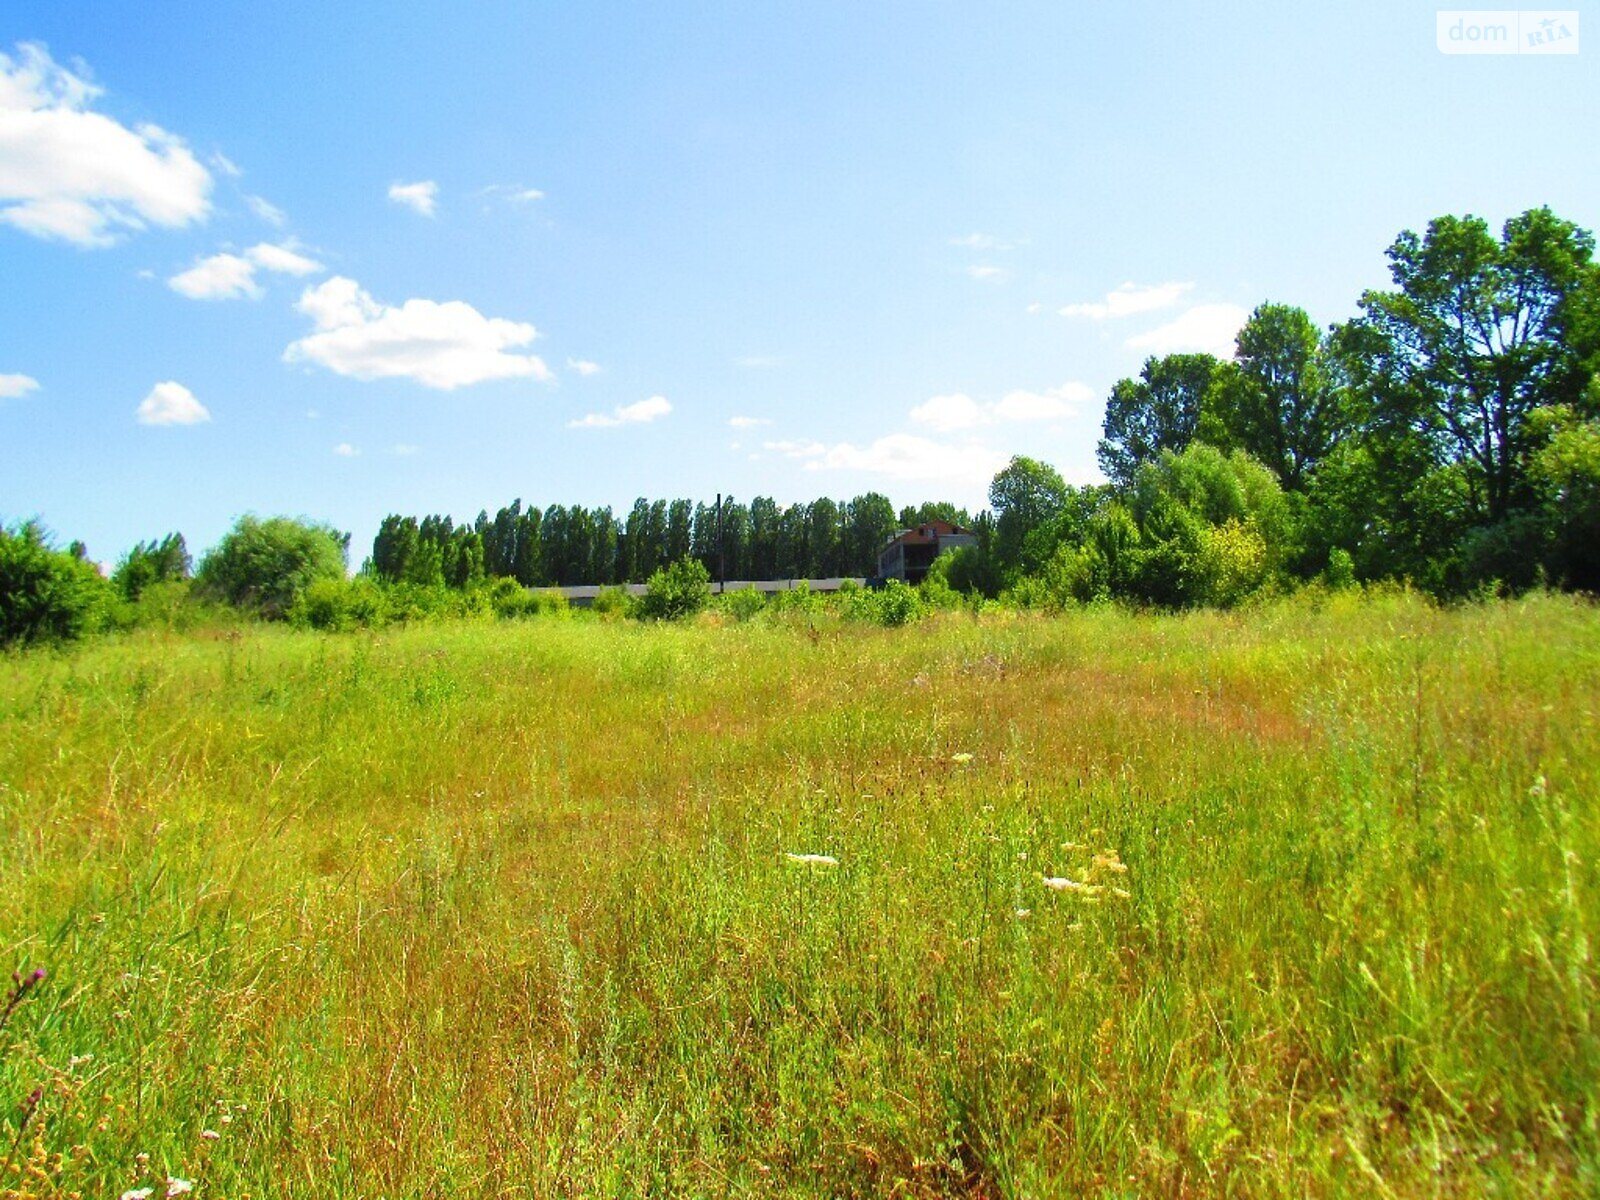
[346, 450]
[439, 345]
[420, 197]
[583, 366]
[230, 276]
[1209, 328]
[171, 403]
[958, 411]
[220, 277]
[12, 386]
[284, 259]
[640, 413]
[1129, 300]
[984, 273]
[748, 422]
[69, 173]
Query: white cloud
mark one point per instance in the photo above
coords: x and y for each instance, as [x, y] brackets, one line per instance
[346, 450]
[514, 193]
[220, 277]
[69, 173]
[947, 413]
[226, 165]
[284, 259]
[985, 273]
[12, 386]
[1052, 404]
[628, 414]
[906, 456]
[420, 197]
[1130, 299]
[171, 403]
[583, 366]
[748, 422]
[439, 345]
[957, 411]
[791, 449]
[1206, 327]
[229, 276]
[267, 211]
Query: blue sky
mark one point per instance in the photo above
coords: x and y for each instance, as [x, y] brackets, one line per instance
[344, 260]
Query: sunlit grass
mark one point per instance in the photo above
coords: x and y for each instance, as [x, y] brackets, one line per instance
[1292, 901]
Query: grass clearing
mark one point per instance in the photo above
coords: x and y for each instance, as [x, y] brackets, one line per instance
[509, 909]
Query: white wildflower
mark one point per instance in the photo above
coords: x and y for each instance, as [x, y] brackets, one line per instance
[814, 860]
[177, 1187]
[137, 1194]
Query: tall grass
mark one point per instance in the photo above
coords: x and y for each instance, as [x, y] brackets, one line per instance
[509, 910]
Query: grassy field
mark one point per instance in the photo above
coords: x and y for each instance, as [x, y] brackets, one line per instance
[510, 909]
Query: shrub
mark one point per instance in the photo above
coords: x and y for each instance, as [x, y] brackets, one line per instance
[612, 603]
[264, 565]
[742, 604]
[677, 591]
[46, 594]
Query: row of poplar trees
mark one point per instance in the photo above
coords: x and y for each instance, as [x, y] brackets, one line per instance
[565, 545]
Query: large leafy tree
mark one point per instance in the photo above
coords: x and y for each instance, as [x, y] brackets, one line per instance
[265, 565]
[1278, 400]
[1025, 495]
[1158, 411]
[1477, 336]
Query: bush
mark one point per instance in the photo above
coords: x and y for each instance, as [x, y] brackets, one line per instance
[612, 603]
[264, 565]
[46, 594]
[742, 604]
[680, 590]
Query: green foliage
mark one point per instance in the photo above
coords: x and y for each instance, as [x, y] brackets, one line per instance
[613, 602]
[679, 590]
[1025, 495]
[263, 566]
[742, 604]
[46, 594]
[1278, 399]
[150, 563]
[1159, 411]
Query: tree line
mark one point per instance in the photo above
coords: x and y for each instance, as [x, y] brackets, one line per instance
[562, 545]
[1448, 436]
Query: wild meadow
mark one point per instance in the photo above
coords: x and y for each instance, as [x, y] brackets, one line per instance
[1299, 900]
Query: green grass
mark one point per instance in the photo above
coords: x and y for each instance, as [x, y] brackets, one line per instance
[506, 909]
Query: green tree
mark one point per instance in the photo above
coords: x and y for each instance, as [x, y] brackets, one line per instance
[1025, 495]
[264, 565]
[1278, 400]
[1158, 411]
[150, 563]
[45, 594]
[1479, 335]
